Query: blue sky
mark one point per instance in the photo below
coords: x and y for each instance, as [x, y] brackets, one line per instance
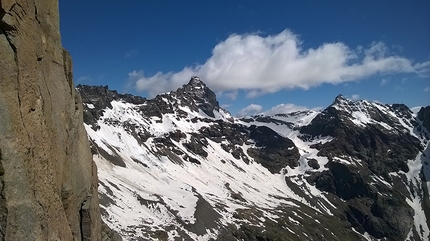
[256, 55]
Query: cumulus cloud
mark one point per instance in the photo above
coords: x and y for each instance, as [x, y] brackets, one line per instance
[266, 64]
[251, 109]
[160, 83]
[284, 108]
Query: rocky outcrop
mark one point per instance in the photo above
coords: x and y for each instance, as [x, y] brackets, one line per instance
[97, 98]
[272, 150]
[384, 147]
[48, 180]
[196, 95]
[365, 133]
[424, 116]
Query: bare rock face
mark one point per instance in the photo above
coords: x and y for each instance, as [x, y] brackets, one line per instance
[48, 181]
[382, 151]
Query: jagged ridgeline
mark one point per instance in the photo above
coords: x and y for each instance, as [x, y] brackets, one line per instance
[179, 167]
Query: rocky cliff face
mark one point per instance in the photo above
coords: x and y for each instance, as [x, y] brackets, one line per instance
[377, 139]
[48, 181]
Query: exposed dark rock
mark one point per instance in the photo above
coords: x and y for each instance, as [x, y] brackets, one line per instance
[274, 151]
[234, 133]
[402, 111]
[381, 151]
[323, 124]
[196, 95]
[313, 163]
[193, 160]
[268, 119]
[196, 146]
[140, 134]
[206, 217]
[424, 116]
[367, 211]
[177, 135]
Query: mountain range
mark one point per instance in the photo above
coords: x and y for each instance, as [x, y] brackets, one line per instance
[180, 167]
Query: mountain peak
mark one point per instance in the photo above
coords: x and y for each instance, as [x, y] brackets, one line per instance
[195, 81]
[340, 99]
[195, 84]
[341, 102]
[197, 94]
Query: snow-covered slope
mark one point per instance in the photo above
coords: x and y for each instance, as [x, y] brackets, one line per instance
[179, 167]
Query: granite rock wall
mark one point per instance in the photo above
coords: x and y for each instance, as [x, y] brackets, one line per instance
[48, 180]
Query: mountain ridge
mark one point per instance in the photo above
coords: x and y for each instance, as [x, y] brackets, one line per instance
[264, 177]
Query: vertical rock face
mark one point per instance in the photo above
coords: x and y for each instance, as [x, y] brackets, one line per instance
[48, 181]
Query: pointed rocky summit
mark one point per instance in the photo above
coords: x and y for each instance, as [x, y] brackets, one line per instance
[197, 95]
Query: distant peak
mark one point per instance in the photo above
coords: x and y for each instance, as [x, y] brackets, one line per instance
[197, 92]
[195, 81]
[340, 97]
[195, 78]
[340, 100]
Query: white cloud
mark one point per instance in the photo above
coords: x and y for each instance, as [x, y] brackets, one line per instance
[251, 109]
[355, 97]
[261, 65]
[284, 108]
[232, 95]
[427, 89]
[160, 83]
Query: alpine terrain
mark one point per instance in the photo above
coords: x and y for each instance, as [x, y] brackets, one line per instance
[179, 167]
